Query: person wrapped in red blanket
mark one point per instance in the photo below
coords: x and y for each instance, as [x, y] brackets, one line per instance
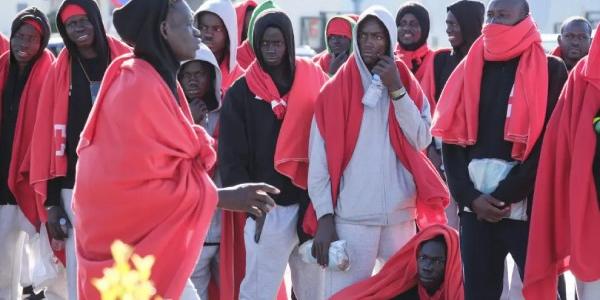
[338, 40]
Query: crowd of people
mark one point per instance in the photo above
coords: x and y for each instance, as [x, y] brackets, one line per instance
[379, 169]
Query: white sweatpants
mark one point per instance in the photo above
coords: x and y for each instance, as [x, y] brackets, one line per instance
[266, 260]
[366, 246]
[588, 290]
[14, 232]
[206, 267]
[189, 292]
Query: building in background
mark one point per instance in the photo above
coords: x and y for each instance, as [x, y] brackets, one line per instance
[309, 16]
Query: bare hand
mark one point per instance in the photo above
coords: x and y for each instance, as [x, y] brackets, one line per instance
[388, 72]
[251, 198]
[326, 234]
[199, 112]
[490, 209]
[55, 213]
[337, 62]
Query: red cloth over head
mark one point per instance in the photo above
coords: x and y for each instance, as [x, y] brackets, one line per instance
[456, 117]
[240, 11]
[422, 57]
[428, 79]
[168, 181]
[339, 26]
[245, 55]
[339, 112]
[18, 173]
[565, 214]
[400, 273]
[36, 25]
[71, 10]
[48, 157]
[291, 151]
[4, 44]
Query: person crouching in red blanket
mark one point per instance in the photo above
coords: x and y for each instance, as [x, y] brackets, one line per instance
[428, 267]
[153, 193]
[566, 207]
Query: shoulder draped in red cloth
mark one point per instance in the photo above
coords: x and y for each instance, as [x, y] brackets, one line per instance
[423, 57]
[18, 174]
[48, 159]
[229, 76]
[159, 200]
[456, 117]
[557, 52]
[296, 110]
[4, 44]
[428, 79]
[338, 113]
[240, 11]
[400, 274]
[565, 214]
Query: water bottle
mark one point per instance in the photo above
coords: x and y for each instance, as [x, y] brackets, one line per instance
[58, 245]
[374, 91]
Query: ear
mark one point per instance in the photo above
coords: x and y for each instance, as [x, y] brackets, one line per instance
[164, 30]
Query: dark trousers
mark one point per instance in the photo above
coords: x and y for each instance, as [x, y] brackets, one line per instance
[484, 247]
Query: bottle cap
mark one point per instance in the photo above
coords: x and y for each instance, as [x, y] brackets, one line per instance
[62, 221]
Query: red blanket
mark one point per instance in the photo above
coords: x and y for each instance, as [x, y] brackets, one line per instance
[240, 11]
[423, 57]
[245, 55]
[4, 44]
[428, 80]
[18, 174]
[48, 159]
[338, 113]
[160, 199]
[399, 274]
[565, 214]
[456, 117]
[323, 60]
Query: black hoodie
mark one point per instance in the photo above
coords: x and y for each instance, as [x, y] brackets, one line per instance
[422, 15]
[11, 97]
[80, 98]
[138, 24]
[470, 17]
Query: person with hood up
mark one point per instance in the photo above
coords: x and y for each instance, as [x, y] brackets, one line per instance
[338, 39]
[216, 21]
[573, 41]
[200, 79]
[369, 180]
[413, 26]
[245, 51]
[566, 208]
[265, 124]
[243, 11]
[65, 102]
[22, 73]
[428, 267]
[163, 196]
[491, 118]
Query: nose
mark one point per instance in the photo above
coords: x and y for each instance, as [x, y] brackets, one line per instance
[196, 33]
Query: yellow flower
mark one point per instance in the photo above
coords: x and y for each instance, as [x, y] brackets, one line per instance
[121, 282]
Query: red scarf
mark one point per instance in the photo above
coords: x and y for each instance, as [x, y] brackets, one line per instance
[565, 214]
[399, 274]
[115, 185]
[422, 57]
[245, 55]
[4, 44]
[18, 173]
[456, 116]
[48, 159]
[291, 152]
[428, 80]
[339, 112]
[240, 11]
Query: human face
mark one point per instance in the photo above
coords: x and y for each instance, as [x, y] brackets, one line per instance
[338, 43]
[373, 41]
[213, 32]
[272, 47]
[25, 44]
[574, 41]
[453, 30]
[80, 31]
[195, 79]
[431, 265]
[505, 12]
[179, 32]
[409, 30]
